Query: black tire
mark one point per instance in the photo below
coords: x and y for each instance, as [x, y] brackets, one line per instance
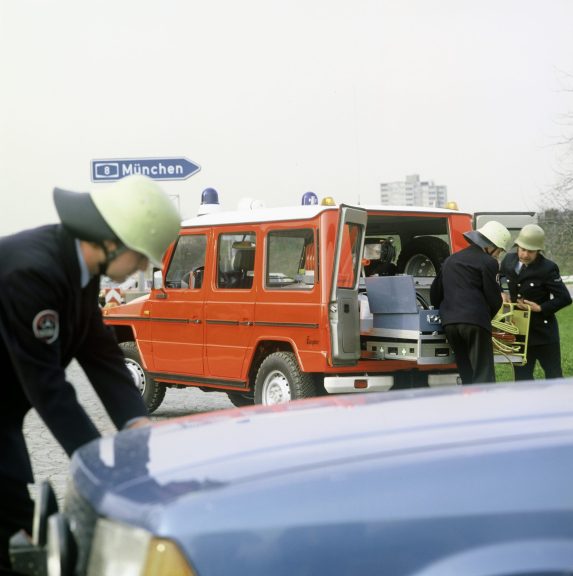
[151, 391]
[279, 380]
[423, 256]
[239, 400]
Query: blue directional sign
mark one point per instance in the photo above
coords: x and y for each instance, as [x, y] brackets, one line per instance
[157, 168]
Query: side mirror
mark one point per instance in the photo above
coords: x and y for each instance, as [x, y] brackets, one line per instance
[157, 280]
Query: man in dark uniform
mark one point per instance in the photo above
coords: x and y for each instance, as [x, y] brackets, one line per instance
[467, 292]
[534, 281]
[49, 314]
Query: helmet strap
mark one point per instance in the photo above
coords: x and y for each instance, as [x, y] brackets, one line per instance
[491, 250]
[111, 255]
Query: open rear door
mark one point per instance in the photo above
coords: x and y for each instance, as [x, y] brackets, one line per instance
[343, 311]
[513, 221]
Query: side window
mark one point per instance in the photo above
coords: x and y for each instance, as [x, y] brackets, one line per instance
[291, 260]
[187, 265]
[349, 256]
[236, 260]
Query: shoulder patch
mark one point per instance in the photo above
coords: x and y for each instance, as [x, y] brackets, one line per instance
[46, 326]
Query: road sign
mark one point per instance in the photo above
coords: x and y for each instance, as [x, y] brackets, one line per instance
[157, 168]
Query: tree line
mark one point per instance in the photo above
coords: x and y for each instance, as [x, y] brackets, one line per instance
[557, 221]
[558, 226]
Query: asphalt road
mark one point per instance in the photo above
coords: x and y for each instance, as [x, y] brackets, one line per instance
[50, 462]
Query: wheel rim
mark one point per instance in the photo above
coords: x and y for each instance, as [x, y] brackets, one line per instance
[137, 374]
[420, 265]
[276, 388]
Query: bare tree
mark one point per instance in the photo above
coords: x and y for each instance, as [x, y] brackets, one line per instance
[557, 216]
[558, 226]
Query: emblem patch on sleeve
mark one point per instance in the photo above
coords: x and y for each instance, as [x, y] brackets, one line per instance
[46, 326]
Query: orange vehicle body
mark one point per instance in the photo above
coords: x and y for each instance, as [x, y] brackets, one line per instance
[215, 327]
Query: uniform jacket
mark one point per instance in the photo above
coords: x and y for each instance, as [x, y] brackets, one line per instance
[46, 320]
[466, 289]
[541, 283]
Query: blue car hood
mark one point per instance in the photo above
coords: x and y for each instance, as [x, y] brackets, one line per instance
[140, 475]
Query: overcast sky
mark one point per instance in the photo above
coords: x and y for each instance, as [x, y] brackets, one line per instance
[276, 97]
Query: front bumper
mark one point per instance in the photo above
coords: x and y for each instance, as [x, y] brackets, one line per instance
[60, 539]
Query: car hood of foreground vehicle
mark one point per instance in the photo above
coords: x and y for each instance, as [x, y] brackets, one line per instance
[359, 455]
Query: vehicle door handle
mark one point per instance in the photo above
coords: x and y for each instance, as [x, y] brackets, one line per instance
[195, 320]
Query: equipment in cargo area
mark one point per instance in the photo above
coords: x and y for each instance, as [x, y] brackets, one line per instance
[510, 334]
[400, 329]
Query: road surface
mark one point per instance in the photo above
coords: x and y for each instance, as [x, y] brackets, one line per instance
[50, 462]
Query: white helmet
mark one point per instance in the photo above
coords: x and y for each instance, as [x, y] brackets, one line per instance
[133, 210]
[491, 234]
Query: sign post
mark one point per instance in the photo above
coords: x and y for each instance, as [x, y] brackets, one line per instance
[108, 170]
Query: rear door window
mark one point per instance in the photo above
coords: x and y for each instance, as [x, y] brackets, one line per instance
[236, 260]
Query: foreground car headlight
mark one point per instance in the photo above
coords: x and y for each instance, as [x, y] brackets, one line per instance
[121, 549]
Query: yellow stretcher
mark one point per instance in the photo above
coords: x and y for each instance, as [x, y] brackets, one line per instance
[510, 332]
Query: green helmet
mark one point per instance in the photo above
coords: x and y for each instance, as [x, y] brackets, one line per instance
[531, 237]
[491, 234]
[134, 211]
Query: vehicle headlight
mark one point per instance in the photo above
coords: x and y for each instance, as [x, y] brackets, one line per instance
[121, 549]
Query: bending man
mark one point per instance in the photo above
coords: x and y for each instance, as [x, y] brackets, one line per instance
[49, 314]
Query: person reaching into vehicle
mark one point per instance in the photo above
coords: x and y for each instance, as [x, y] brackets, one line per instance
[535, 282]
[49, 314]
[467, 292]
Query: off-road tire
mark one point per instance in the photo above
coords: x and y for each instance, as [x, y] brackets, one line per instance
[280, 379]
[152, 392]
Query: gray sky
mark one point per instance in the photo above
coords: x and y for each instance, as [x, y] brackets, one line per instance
[276, 97]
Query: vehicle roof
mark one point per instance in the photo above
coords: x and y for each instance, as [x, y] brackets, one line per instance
[297, 213]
